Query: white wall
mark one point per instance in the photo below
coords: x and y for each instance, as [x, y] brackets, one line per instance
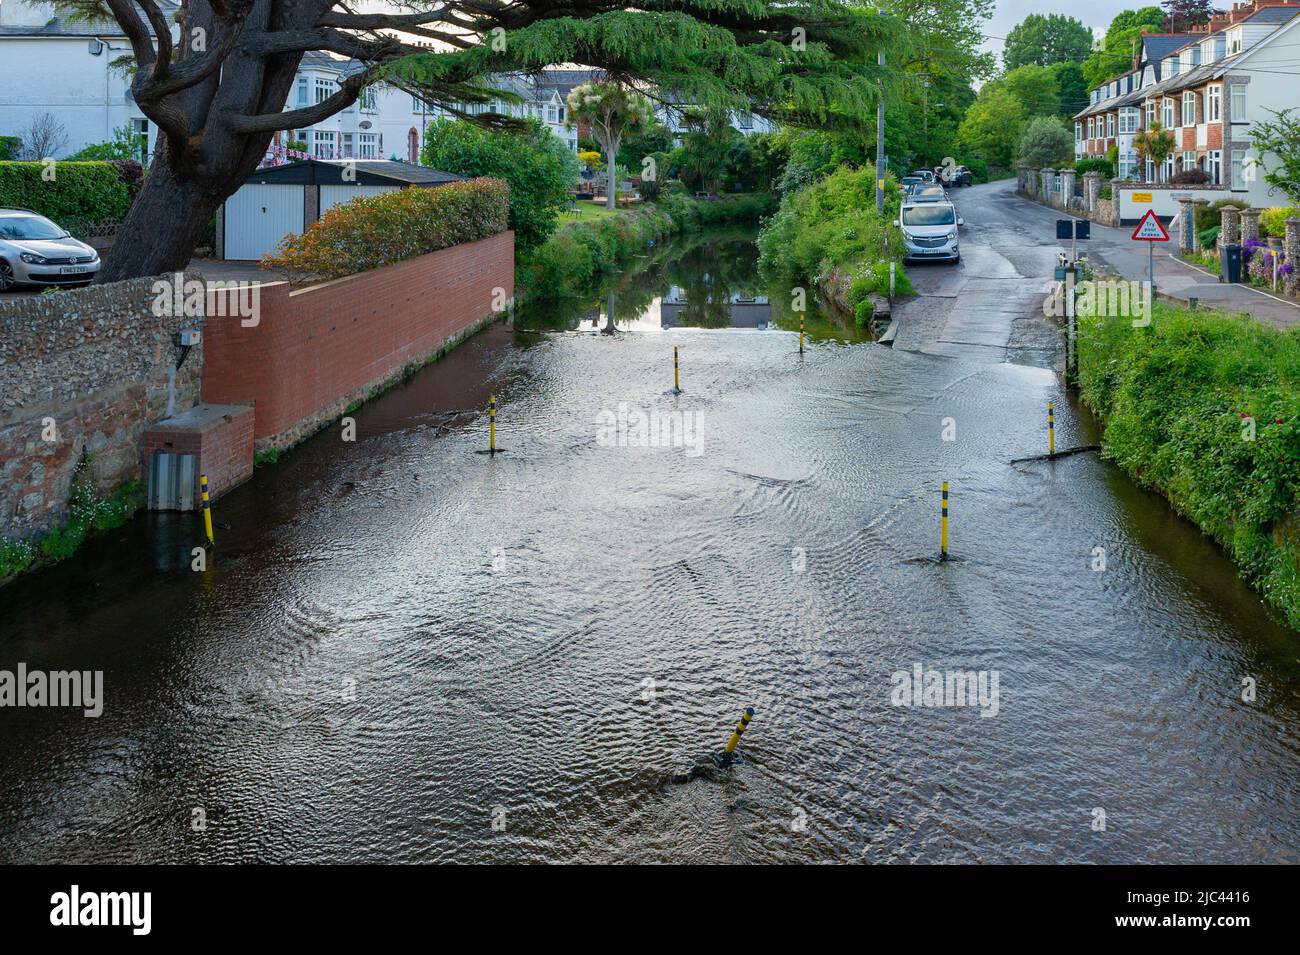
[58, 75]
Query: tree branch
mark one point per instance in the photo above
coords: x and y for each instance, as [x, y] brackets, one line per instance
[349, 89]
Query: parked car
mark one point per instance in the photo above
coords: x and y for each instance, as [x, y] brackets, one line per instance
[929, 192]
[35, 251]
[961, 176]
[926, 175]
[908, 183]
[930, 230]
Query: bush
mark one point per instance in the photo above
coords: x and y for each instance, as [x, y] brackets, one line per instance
[1208, 237]
[1177, 399]
[1273, 221]
[78, 192]
[1046, 142]
[369, 232]
[979, 169]
[1095, 164]
[10, 147]
[1190, 177]
[541, 171]
[1209, 215]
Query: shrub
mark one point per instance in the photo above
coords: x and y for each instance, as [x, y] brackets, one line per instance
[373, 231]
[541, 171]
[1208, 237]
[1046, 142]
[1273, 221]
[79, 191]
[1095, 164]
[1190, 177]
[10, 147]
[1210, 215]
[1175, 397]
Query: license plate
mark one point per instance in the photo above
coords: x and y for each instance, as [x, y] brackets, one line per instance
[73, 269]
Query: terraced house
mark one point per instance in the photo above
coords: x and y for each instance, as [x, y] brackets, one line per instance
[1205, 87]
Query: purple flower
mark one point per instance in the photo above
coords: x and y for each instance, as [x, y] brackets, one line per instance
[1286, 269]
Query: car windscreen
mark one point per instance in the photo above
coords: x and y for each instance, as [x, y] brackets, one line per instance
[929, 215]
[29, 227]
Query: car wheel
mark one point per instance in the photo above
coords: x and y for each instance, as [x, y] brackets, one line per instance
[6, 276]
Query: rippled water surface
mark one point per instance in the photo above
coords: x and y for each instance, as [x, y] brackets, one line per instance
[403, 641]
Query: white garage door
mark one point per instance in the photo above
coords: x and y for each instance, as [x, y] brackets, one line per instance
[259, 216]
[333, 195]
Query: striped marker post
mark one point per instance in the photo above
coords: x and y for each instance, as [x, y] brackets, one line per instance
[1051, 431]
[677, 377]
[943, 525]
[207, 507]
[492, 424]
[739, 731]
[801, 333]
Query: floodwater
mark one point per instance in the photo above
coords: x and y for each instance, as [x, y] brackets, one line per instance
[407, 650]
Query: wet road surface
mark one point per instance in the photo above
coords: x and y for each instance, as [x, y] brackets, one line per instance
[410, 651]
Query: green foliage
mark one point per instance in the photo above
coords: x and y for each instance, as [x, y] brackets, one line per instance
[78, 191]
[1273, 221]
[1178, 399]
[369, 232]
[88, 513]
[1210, 214]
[1095, 164]
[993, 127]
[1208, 237]
[1115, 54]
[271, 455]
[654, 138]
[1154, 143]
[1280, 138]
[538, 167]
[15, 557]
[1044, 40]
[1046, 142]
[1071, 87]
[579, 252]
[831, 224]
[701, 161]
[10, 147]
[125, 144]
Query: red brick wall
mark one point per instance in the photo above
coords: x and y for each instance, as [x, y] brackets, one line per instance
[313, 351]
[224, 451]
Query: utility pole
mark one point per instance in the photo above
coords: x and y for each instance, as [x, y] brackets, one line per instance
[880, 135]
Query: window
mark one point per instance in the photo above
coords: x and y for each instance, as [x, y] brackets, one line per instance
[1171, 66]
[1213, 104]
[550, 114]
[1189, 108]
[1168, 169]
[140, 139]
[1238, 105]
[1110, 124]
[1092, 128]
[367, 100]
[1151, 114]
[1239, 170]
[323, 145]
[1189, 161]
[1128, 120]
[1078, 132]
[367, 146]
[302, 91]
[347, 151]
[1214, 166]
[324, 89]
[1167, 111]
[1220, 46]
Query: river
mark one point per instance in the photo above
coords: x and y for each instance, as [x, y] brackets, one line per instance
[407, 650]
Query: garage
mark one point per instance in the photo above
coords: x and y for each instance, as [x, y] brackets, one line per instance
[280, 201]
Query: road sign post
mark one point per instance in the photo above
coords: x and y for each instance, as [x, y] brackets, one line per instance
[1151, 230]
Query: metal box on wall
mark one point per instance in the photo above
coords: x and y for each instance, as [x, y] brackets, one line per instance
[171, 482]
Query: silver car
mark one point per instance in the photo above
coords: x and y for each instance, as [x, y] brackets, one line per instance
[930, 230]
[35, 251]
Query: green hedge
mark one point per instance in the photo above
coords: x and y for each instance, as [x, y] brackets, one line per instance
[77, 191]
[578, 252]
[369, 232]
[1177, 399]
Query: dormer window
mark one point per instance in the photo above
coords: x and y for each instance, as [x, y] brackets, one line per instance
[1220, 46]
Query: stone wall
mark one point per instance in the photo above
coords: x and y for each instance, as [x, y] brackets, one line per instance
[83, 373]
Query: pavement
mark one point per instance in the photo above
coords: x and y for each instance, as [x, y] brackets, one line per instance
[1115, 250]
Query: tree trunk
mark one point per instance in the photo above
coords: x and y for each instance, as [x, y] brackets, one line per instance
[611, 160]
[165, 223]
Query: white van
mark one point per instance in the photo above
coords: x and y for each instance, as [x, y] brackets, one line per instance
[930, 230]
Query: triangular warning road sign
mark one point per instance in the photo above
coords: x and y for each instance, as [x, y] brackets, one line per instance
[1150, 229]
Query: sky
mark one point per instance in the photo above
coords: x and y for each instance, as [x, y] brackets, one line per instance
[1096, 14]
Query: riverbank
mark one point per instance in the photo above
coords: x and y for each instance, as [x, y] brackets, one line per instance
[578, 252]
[1204, 408]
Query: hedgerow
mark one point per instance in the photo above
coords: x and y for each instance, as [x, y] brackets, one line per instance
[369, 232]
[69, 192]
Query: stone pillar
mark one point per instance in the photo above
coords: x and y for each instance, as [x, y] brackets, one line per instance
[1049, 180]
[1186, 221]
[1291, 249]
[1067, 187]
[1196, 205]
[1250, 225]
[1229, 225]
[1091, 190]
[1025, 179]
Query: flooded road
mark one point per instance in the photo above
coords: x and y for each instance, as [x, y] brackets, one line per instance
[410, 651]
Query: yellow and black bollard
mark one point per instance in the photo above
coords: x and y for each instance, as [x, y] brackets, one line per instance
[943, 525]
[801, 333]
[207, 507]
[1051, 430]
[492, 424]
[677, 375]
[739, 731]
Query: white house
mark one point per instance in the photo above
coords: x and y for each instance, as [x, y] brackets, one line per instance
[48, 65]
